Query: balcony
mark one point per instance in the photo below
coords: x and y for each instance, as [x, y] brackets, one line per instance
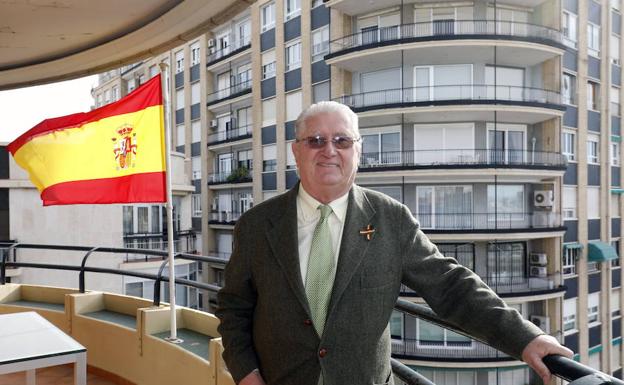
[184, 242]
[489, 222]
[458, 351]
[513, 286]
[231, 92]
[225, 256]
[239, 175]
[223, 217]
[461, 158]
[230, 135]
[227, 52]
[529, 44]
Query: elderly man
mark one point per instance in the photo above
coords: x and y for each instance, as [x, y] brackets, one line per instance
[315, 273]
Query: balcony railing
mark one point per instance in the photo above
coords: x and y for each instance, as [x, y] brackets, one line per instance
[230, 92]
[450, 29]
[231, 134]
[238, 46]
[225, 256]
[560, 366]
[461, 157]
[239, 175]
[489, 221]
[450, 94]
[464, 350]
[223, 217]
[510, 285]
[186, 243]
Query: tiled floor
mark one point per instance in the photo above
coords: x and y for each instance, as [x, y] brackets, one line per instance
[56, 375]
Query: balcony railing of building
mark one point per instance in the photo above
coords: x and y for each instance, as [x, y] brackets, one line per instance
[225, 256]
[465, 158]
[234, 90]
[223, 217]
[562, 367]
[184, 242]
[460, 350]
[239, 46]
[230, 135]
[513, 285]
[489, 221]
[445, 30]
[238, 175]
[453, 95]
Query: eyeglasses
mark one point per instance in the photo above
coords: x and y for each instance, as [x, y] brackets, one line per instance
[340, 142]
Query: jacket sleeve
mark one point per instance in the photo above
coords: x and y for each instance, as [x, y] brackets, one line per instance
[458, 295]
[236, 304]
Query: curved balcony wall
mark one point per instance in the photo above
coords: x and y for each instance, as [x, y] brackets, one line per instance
[544, 42]
[461, 158]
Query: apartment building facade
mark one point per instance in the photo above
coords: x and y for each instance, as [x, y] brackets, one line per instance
[496, 122]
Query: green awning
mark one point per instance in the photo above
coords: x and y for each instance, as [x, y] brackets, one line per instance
[572, 246]
[616, 138]
[617, 191]
[601, 252]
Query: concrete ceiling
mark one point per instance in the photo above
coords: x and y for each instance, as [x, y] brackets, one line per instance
[44, 41]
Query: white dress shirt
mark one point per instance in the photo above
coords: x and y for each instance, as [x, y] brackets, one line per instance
[308, 216]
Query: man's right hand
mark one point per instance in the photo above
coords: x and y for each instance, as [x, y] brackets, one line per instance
[253, 378]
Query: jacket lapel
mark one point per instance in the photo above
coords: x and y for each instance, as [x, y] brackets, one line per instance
[283, 240]
[353, 246]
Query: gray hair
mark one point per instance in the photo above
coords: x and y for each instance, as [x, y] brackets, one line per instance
[327, 107]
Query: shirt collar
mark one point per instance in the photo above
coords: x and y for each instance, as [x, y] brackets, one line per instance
[309, 206]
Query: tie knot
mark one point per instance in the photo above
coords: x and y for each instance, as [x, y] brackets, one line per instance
[325, 211]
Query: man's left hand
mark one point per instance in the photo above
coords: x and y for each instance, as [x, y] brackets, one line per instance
[540, 347]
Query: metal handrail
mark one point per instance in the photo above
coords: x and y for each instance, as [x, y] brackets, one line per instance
[459, 93]
[560, 366]
[231, 134]
[234, 89]
[445, 28]
[489, 221]
[461, 157]
[239, 45]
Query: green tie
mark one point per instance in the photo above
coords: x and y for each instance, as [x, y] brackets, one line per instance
[321, 270]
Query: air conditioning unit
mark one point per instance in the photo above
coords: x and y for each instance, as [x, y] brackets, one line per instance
[538, 259]
[214, 123]
[544, 198]
[211, 43]
[538, 271]
[541, 322]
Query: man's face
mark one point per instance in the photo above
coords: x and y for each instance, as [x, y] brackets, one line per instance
[327, 171]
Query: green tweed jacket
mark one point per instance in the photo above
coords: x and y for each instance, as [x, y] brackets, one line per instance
[264, 312]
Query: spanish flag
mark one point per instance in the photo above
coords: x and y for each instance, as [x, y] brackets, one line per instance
[113, 154]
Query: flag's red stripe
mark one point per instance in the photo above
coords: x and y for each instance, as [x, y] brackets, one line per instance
[149, 94]
[146, 187]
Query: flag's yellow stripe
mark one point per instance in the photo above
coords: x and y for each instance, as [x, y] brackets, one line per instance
[87, 152]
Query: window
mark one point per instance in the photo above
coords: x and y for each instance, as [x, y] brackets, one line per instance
[568, 91]
[614, 97]
[394, 192]
[593, 308]
[381, 146]
[143, 220]
[615, 303]
[320, 92]
[195, 53]
[593, 39]
[615, 153]
[615, 207]
[396, 325]
[294, 105]
[107, 96]
[569, 314]
[196, 205]
[320, 43]
[293, 55]
[614, 51]
[430, 335]
[464, 253]
[506, 264]
[115, 93]
[156, 217]
[245, 159]
[592, 96]
[195, 93]
[196, 131]
[131, 85]
[444, 207]
[268, 16]
[569, 203]
[292, 8]
[505, 199]
[616, 246]
[592, 151]
[268, 64]
[128, 223]
[180, 135]
[269, 161]
[180, 99]
[570, 256]
[244, 33]
[593, 197]
[153, 71]
[568, 146]
[179, 59]
[196, 167]
[569, 29]
[268, 112]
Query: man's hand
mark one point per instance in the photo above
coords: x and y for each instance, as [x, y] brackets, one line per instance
[540, 347]
[253, 378]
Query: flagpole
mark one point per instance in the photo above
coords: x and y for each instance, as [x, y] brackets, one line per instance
[164, 71]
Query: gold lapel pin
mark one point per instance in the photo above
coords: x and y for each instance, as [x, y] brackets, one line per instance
[368, 232]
